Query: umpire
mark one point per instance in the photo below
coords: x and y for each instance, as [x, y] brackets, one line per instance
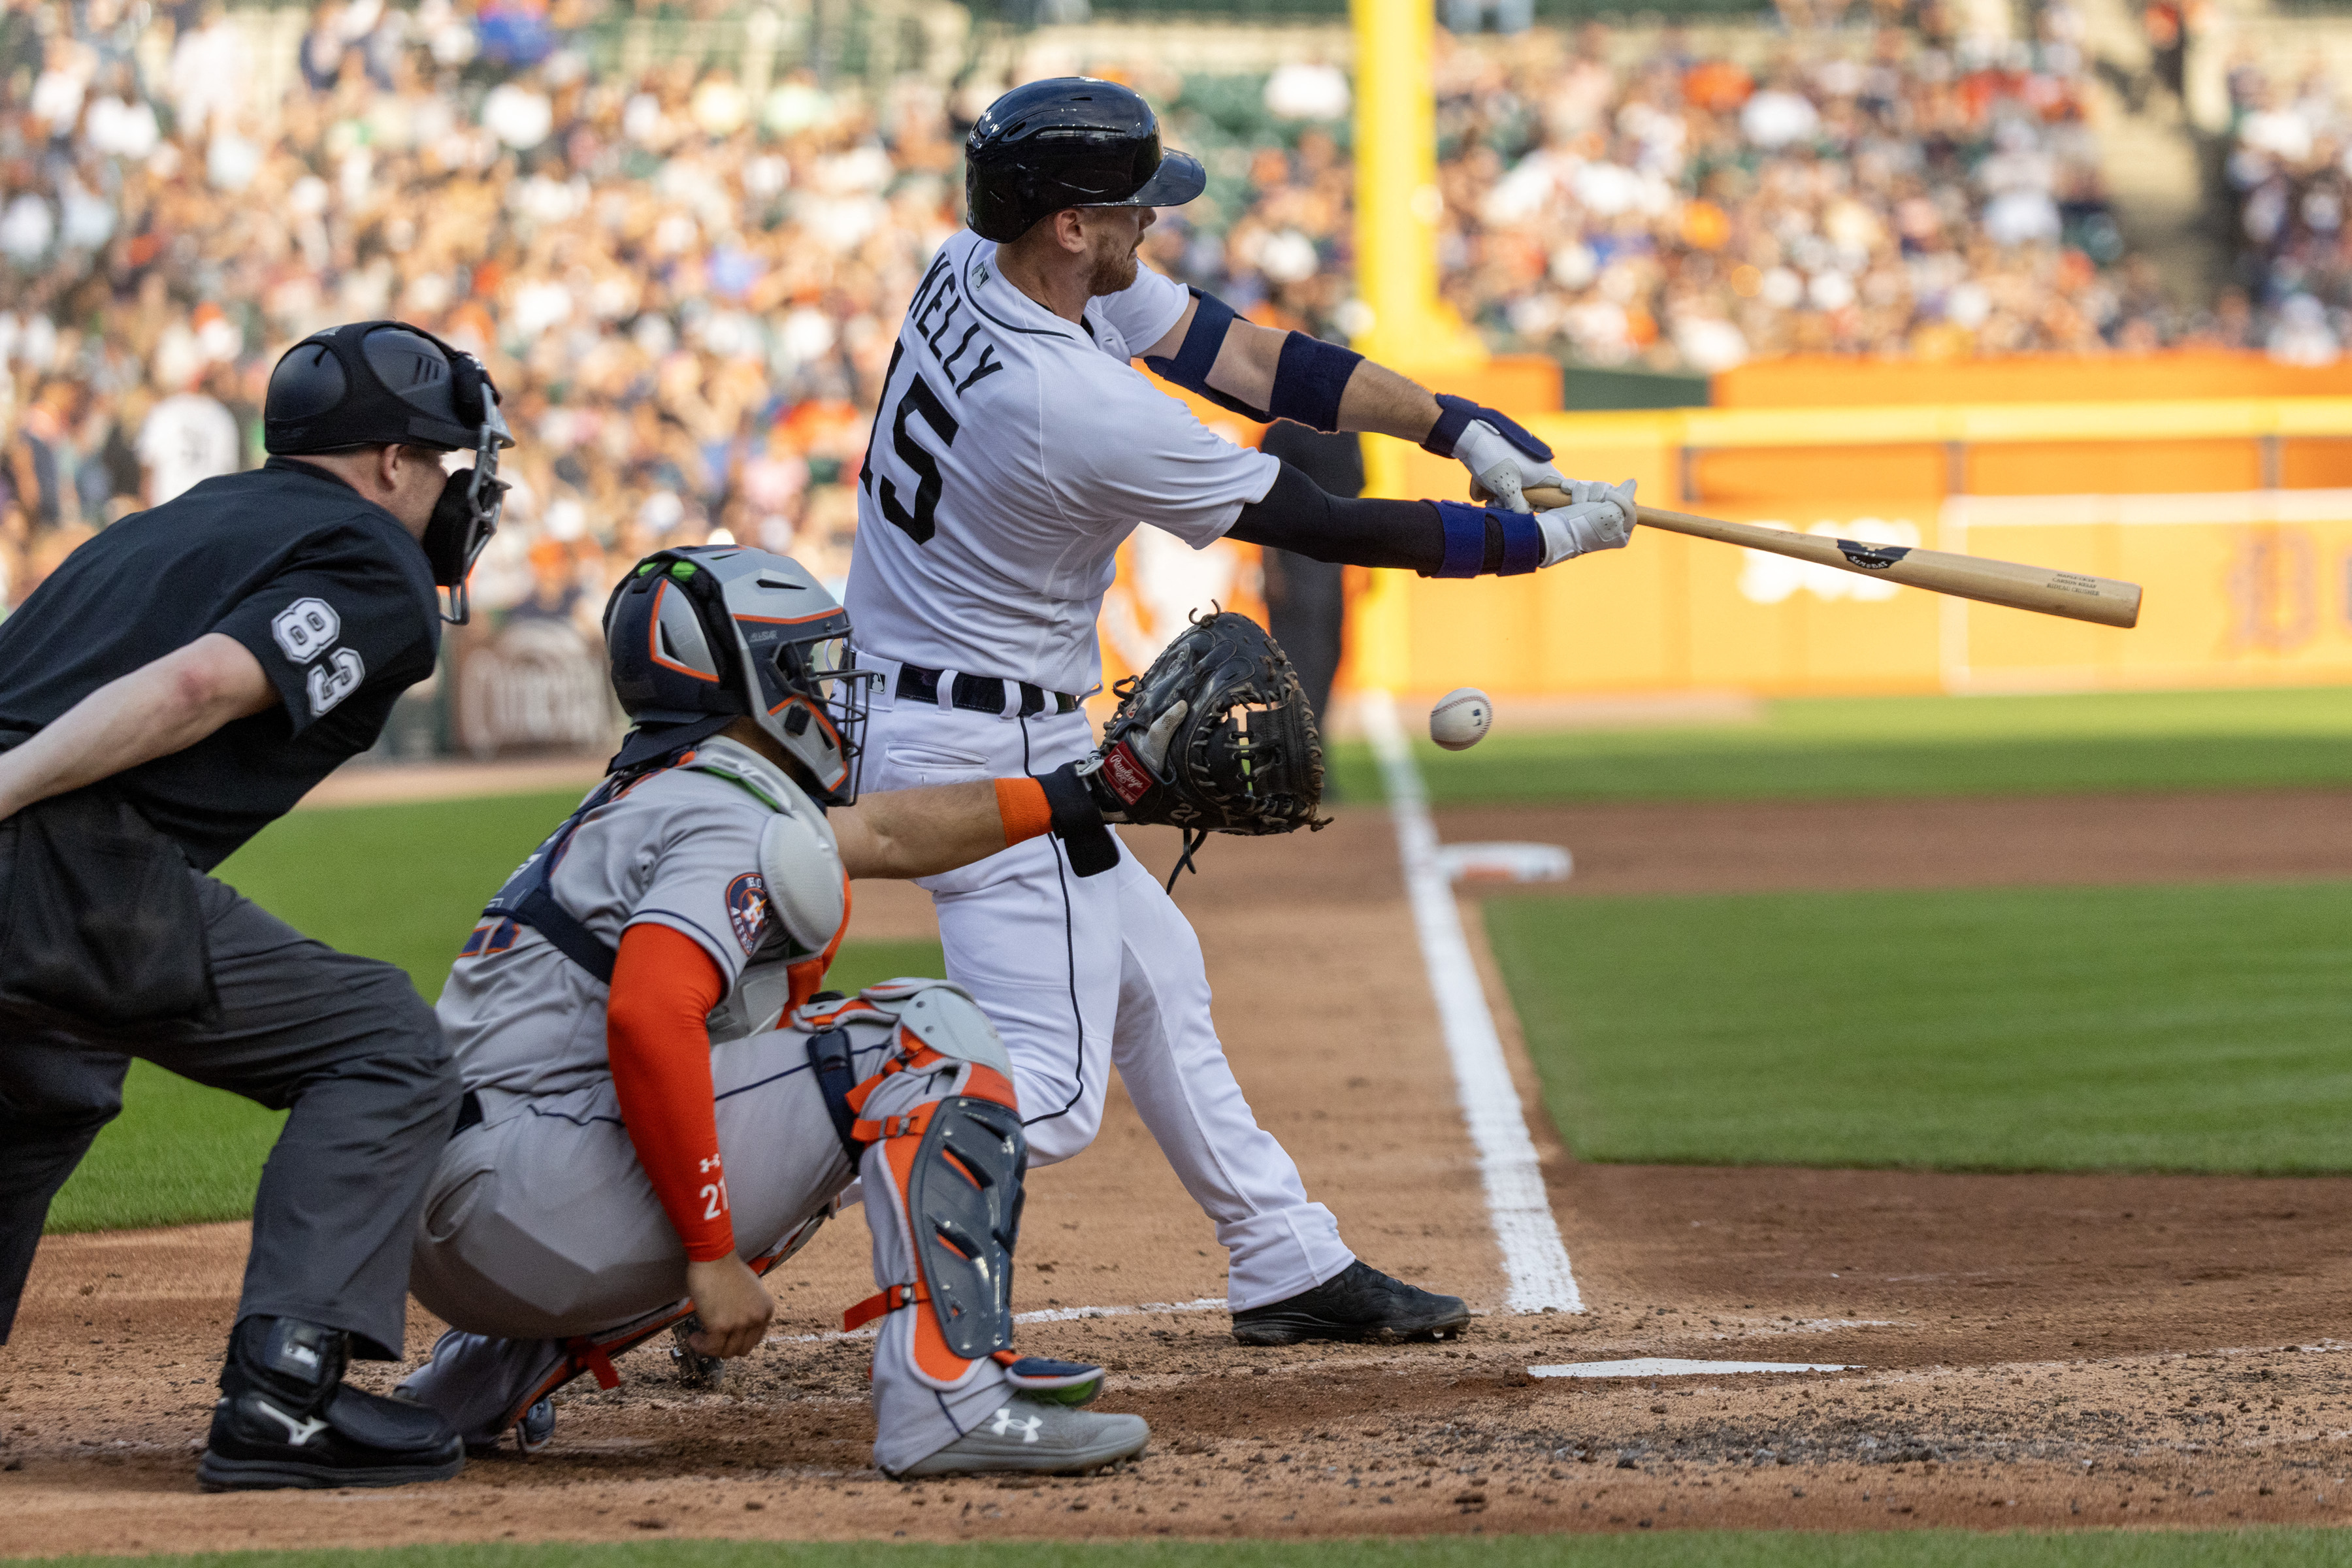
[177, 685]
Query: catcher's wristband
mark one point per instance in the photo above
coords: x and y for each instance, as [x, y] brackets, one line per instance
[1078, 820]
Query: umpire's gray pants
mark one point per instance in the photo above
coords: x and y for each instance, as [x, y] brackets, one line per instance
[343, 1043]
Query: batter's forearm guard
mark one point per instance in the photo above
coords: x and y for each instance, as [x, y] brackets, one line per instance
[1309, 380]
[1481, 539]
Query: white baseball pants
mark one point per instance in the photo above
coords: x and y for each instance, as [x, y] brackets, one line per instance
[1080, 974]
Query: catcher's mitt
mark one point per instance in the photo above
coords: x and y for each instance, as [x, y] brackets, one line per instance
[1215, 737]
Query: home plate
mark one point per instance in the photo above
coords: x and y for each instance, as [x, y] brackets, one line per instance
[1656, 1366]
[1505, 862]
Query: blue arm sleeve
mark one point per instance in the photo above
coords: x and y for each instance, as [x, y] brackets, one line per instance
[1436, 539]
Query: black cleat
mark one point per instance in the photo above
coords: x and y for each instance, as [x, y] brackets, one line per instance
[286, 1418]
[1359, 1303]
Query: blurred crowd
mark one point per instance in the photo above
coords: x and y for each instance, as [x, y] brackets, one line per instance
[2290, 171]
[687, 291]
[1898, 192]
[686, 282]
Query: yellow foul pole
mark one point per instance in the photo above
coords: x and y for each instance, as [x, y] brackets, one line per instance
[1398, 209]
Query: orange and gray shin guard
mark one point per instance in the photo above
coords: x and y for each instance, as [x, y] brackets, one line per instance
[942, 1168]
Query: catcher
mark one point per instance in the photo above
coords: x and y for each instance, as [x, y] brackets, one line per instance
[1014, 449]
[659, 1103]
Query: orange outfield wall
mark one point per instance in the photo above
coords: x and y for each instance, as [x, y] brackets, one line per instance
[1810, 381]
[2222, 483]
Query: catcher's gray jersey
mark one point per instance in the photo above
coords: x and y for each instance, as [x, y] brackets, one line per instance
[680, 848]
[1013, 452]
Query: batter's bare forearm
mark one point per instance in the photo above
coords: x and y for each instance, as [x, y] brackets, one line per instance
[923, 832]
[161, 708]
[1246, 363]
[1381, 401]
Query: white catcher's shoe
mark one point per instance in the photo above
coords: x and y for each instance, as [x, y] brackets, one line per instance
[1038, 1434]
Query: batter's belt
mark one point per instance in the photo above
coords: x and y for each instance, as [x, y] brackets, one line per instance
[978, 693]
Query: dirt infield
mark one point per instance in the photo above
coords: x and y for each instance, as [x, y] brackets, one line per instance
[2026, 1351]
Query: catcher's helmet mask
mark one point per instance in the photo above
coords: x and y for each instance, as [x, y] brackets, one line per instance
[376, 384]
[702, 635]
[1068, 142]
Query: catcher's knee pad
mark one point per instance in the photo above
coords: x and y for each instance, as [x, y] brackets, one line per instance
[955, 1168]
[941, 1017]
[937, 1025]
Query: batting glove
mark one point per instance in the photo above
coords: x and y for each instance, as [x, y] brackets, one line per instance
[1503, 458]
[1598, 517]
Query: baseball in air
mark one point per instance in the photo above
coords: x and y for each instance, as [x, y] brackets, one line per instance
[1461, 719]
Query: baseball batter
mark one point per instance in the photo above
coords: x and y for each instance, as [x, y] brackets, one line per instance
[1015, 448]
[659, 1103]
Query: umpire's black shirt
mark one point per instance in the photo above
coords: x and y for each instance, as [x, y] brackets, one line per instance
[329, 591]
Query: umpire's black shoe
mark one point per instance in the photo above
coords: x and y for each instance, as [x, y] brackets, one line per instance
[1359, 1303]
[286, 1418]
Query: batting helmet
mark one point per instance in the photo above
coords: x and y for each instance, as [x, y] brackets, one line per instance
[1068, 142]
[702, 635]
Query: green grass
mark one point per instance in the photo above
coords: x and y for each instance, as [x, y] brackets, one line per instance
[2191, 1028]
[404, 883]
[1844, 748]
[1726, 1548]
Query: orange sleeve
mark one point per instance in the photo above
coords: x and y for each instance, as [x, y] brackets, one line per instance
[663, 986]
[1022, 803]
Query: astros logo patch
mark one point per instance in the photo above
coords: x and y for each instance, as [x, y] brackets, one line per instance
[747, 908]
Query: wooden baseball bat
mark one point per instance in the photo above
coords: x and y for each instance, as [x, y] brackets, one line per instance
[2042, 589]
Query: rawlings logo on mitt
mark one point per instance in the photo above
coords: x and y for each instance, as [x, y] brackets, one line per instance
[1215, 737]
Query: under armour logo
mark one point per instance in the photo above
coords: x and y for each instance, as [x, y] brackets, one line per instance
[298, 1433]
[710, 1164]
[1007, 1422]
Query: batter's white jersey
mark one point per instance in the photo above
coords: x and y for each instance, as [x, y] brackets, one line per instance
[1013, 451]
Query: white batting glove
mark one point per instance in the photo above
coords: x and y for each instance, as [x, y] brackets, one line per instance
[1499, 467]
[1598, 517]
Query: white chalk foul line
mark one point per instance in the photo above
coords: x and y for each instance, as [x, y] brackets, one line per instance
[1657, 1367]
[1533, 1257]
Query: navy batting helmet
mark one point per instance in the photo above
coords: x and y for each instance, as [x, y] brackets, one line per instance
[1068, 142]
[702, 635]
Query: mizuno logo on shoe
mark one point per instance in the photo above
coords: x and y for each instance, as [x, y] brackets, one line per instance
[298, 1433]
[1006, 1421]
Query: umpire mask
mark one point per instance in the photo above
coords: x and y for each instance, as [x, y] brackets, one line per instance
[387, 382]
[463, 520]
